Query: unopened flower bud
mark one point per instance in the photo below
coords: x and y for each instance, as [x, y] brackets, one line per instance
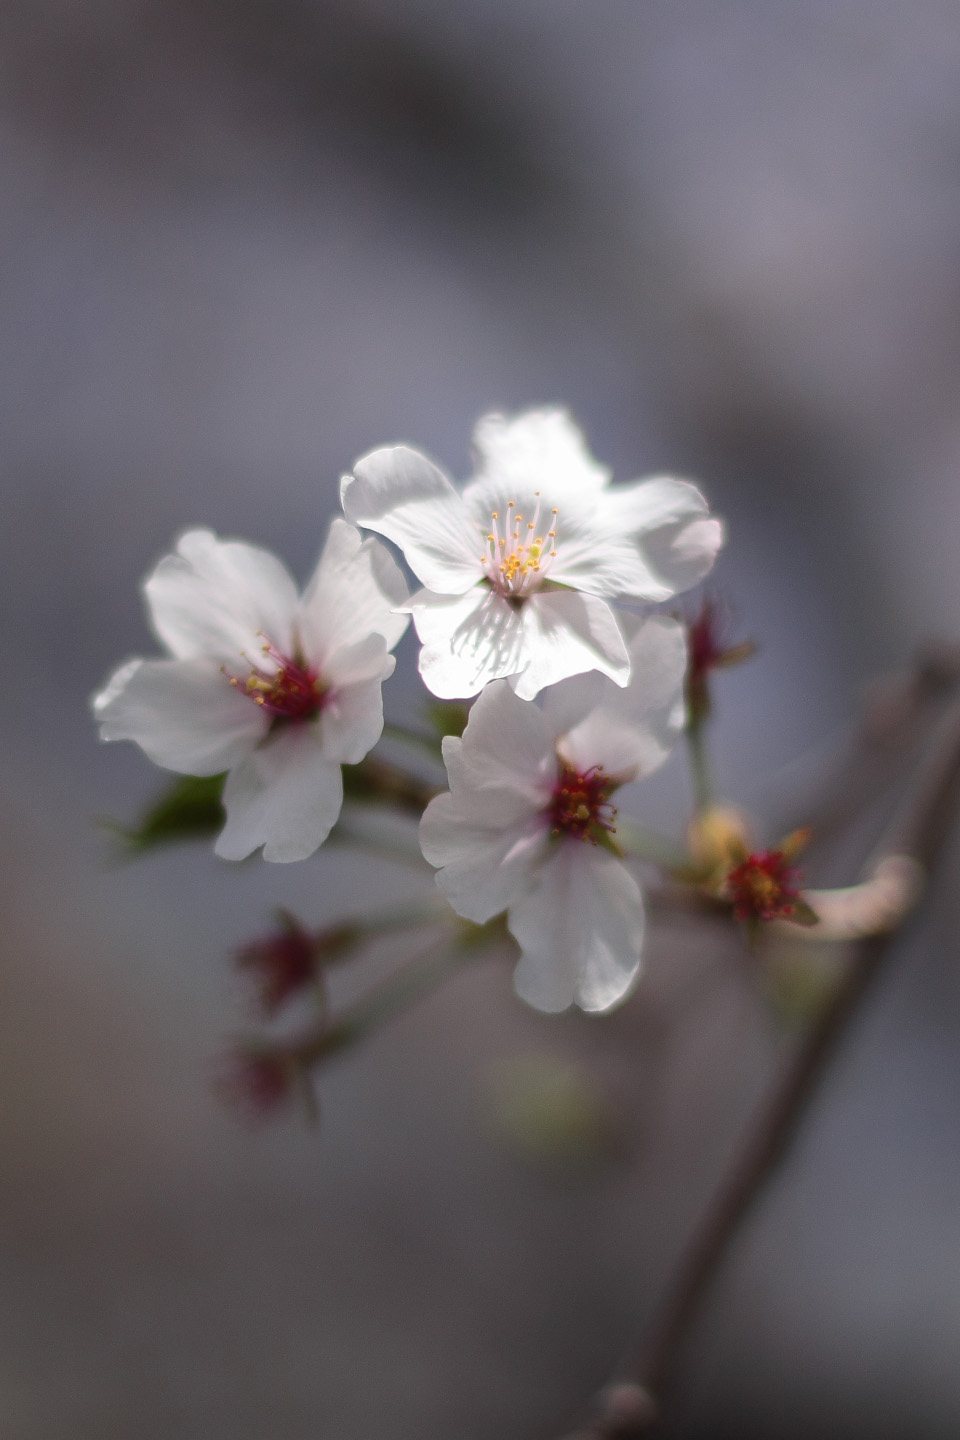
[708, 648]
[718, 839]
[290, 959]
[256, 1083]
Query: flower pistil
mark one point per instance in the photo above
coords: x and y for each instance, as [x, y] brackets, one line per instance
[764, 886]
[517, 560]
[290, 690]
[581, 806]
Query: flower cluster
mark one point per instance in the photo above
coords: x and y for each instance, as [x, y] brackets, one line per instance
[524, 574]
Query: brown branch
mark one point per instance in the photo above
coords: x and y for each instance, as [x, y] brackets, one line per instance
[630, 1407]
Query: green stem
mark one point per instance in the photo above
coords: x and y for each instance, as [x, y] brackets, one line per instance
[379, 782]
[402, 917]
[699, 764]
[644, 844]
[392, 730]
[390, 847]
[392, 997]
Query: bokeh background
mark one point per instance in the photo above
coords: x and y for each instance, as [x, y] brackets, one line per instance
[243, 241]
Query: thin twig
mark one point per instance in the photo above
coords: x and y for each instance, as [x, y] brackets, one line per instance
[630, 1407]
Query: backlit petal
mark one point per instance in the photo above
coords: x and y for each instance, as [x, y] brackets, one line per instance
[566, 633]
[484, 865]
[669, 523]
[628, 731]
[400, 494]
[184, 715]
[351, 720]
[580, 929]
[507, 745]
[468, 640]
[536, 450]
[286, 796]
[352, 594]
[221, 598]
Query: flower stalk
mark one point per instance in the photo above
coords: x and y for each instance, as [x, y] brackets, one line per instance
[631, 1406]
[700, 777]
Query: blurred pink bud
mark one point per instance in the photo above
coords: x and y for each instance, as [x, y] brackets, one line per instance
[257, 1084]
[280, 964]
[709, 648]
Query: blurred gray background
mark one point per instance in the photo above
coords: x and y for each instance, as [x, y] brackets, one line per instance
[243, 241]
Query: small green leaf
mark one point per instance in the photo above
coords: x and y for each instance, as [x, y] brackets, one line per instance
[802, 913]
[448, 717]
[189, 809]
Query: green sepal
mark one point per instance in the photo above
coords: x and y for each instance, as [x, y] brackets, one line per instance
[190, 808]
[447, 717]
[601, 837]
[801, 913]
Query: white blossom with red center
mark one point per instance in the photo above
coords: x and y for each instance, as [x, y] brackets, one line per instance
[528, 825]
[277, 689]
[518, 570]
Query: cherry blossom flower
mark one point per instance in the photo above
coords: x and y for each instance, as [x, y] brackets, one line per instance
[517, 571]
[277, 689]
[765, 884]
[529, 825]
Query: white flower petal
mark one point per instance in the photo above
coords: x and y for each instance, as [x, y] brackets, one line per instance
[184, 714]
[491, 831]
[580, 929]
[669, 522]
[286, 796]
[536, 450]
[590, 559]
[629, 731]
[351, 720]
[399, 493]
[353, 593]
[506, 745]
[484, 864]
[220, 598]
[468, 640]
[566, 633]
